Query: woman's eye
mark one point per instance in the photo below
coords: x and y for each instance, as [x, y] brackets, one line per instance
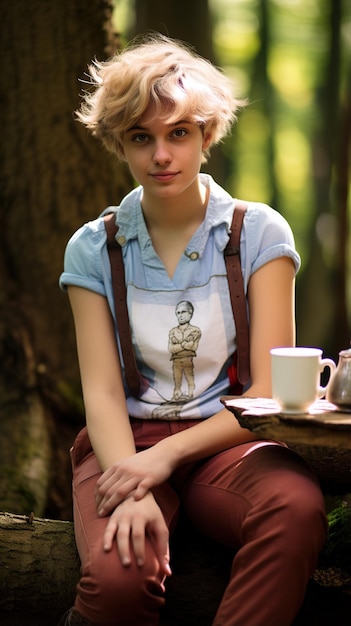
[140, 138]
[179, 132]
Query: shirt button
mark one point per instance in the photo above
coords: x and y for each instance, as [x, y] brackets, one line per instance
[193, 256]
[121, 240]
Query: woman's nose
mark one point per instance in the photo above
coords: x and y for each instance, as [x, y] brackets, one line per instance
[161, 153]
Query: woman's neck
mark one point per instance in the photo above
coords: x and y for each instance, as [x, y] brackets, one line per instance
[172, 223]
[177, 212]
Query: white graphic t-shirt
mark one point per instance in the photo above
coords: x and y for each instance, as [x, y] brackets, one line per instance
[183, 329]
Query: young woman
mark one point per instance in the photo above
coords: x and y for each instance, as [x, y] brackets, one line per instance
[160, 107]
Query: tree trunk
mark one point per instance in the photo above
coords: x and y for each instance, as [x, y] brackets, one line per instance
[188, 21]
[55, 177]
[25, 456]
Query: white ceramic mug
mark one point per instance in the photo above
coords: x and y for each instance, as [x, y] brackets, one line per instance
[296, 377]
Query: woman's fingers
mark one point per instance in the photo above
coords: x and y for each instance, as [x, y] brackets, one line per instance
[113, 496]
[159, 536]
[110, 534]
[138, 541]
[129, 525]
[134, 475]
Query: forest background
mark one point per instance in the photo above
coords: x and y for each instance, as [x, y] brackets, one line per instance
[290, 148]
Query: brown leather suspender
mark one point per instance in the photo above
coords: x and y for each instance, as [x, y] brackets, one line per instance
[236, 290]
[120, 297]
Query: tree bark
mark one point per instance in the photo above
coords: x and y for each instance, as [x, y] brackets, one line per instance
[39, 564]
[55, 177]
[26, 456]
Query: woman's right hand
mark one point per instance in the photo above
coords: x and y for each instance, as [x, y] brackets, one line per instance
[130, 523]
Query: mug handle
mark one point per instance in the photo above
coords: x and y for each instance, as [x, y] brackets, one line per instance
[332, 367]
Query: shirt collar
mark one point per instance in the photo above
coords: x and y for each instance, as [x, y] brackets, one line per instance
[131, 224]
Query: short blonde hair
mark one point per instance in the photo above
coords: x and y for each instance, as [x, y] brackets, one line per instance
[162, 71]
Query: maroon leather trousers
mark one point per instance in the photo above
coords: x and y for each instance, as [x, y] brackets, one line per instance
[259, 498]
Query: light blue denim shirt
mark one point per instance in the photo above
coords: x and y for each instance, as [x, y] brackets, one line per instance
[184, 361]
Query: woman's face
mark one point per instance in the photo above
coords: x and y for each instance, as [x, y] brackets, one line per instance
[164, 158]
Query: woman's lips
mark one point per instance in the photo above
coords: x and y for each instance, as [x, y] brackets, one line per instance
[164, 176]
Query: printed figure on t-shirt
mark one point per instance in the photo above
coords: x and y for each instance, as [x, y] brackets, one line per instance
[183, 343]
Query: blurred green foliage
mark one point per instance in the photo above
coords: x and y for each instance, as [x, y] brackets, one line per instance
[297, 57]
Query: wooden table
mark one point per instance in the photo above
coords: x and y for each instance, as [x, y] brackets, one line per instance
[322, 436]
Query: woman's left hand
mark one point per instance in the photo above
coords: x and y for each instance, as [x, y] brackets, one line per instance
[134, 475]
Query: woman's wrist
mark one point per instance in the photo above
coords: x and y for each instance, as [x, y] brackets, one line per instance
[172, 450]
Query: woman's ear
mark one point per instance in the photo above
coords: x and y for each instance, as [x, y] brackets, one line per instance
[207, 140]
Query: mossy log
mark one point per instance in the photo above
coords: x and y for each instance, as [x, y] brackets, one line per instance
[39, 563]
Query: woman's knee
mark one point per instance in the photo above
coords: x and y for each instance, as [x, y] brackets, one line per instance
[298, 503]
[305, 514]
[109, 593]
